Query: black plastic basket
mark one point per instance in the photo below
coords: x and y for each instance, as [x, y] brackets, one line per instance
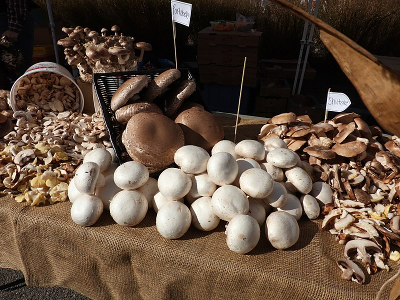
[105, 86]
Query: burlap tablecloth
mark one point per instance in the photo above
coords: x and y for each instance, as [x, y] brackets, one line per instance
[109, 261]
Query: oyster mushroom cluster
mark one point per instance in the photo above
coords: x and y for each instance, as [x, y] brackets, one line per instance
[361, 165]
[94, 52]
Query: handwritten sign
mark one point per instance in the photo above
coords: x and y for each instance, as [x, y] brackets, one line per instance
[181, 12]
[337, 102]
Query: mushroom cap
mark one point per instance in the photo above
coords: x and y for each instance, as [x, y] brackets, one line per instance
[322, 128]
[203, 217]
[160, 83]
[242, 234]
[256, 183]
[282, 230]
[200, 127]
[116, 50]
[174, 98]
[152, 139]
[128, 207]
[143, 46]
[393, 148]
[93, 34]
[115, 28]
[349, 149]
[320, 152]
[124, 113]
[345, 132]
[173, 220]
[127, 90]
[66, 42]
[86, 209]
[283, 118]
[229, 201]
[345, 118]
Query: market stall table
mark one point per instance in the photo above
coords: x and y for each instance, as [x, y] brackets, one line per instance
[109, 261]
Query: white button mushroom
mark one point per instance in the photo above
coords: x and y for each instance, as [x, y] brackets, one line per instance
[242, 234]
[222, 168]
[191, 159]
[128, 207]
[310, 206]
[278, 196]
[274, 143]
[202, 186]
[173, 183]
[282, 230]
[73, 193]
[107, 191]
[257, 210]
[100, 156]
[229, 201]
[282, 158]
[276, 173]
[243, 165]
[159, 200]
[203, 216]
[300, 179]
[86, 210]
[224, 146]
[131, 175]
[322, 192]
[173, 220]
[86, 177]
[292, 206]
[149, 189]
[256, 183]
[250, 149]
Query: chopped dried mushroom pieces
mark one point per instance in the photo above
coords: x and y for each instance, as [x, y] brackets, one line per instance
[364, 176]
[38, 168]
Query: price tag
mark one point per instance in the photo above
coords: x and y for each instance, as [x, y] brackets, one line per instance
[337, 102]
[181, 12]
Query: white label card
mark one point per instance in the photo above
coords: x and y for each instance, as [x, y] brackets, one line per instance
[181, 12]
[337, 102]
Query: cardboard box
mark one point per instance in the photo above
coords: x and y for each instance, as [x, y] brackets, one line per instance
[231, 75]
[273, 68]
[226, 60]
[91, 103]
[237, 38]
[274, 87]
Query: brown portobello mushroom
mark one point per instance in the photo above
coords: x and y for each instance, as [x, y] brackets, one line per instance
[127, 90]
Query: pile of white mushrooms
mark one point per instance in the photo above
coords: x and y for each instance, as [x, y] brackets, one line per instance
[238, 183]
[92, 52]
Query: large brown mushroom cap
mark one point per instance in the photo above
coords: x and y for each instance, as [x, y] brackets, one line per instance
[127, 90]
[320, 152]
[160, 83]
[283, 118]
[124, 113]
[152, 139]
[349, 149]
[200, 128]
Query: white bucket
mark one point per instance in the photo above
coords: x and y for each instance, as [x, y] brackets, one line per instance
[45, 66]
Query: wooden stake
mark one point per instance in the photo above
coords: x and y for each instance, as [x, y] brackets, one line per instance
[174, 33]
[326, 111]
[240, 99]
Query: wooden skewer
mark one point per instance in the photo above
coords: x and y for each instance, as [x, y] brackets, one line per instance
[240, 99]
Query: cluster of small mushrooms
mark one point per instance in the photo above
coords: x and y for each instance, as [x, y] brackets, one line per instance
[361, 165]
[92, 52]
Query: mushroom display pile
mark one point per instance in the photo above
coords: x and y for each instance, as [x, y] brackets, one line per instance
[240, 184]
[92, 52]
[361, 165]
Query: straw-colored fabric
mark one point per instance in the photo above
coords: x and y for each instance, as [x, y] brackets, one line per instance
[109, 261]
